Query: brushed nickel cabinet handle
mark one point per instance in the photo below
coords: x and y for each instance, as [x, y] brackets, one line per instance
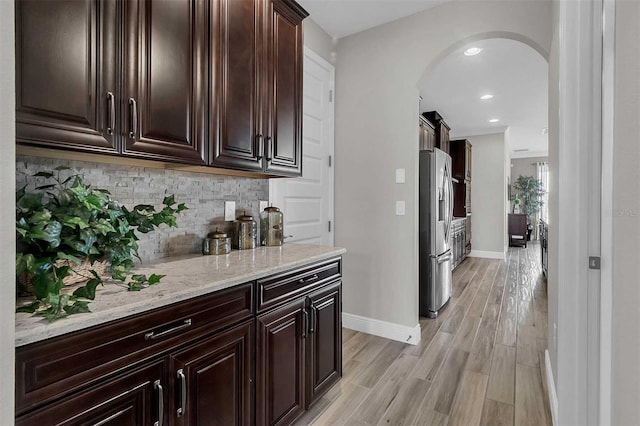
[152, 335]
[112, 113]
[269, 142]
[157, 386]
[183, 393]
[305, 325]
[134, 118]
[260, 147]
[314, 318]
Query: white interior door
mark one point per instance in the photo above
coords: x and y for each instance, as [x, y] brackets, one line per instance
[307, 201]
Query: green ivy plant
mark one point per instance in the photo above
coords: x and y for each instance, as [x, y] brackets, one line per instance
[68, 219]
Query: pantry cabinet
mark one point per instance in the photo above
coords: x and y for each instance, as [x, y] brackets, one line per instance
[198, 82]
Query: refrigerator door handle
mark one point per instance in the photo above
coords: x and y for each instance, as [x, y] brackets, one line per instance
[444, 258]
[449, 191]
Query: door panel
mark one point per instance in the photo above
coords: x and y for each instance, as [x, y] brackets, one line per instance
[280, 364]
[133, 399]
[283, 144]
[307, 201]
[163, 104]
[235, 65]
[324, 360]
[64, 72]
[216, 374]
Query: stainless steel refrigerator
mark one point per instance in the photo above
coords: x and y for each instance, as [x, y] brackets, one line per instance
[435, 226]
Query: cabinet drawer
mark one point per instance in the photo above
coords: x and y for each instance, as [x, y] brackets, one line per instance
[281, 288]
[52, 368]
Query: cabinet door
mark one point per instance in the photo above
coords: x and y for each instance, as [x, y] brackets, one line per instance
[421, 136]
[212, 380]
[280, 364]
[65, 74]
[324, 355]
[444, 137]
[467, 190]
[163, 102]
[283, 138]
[138, 398]
[235, 70]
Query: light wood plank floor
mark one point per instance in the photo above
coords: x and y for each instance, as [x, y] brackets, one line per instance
[480, 363]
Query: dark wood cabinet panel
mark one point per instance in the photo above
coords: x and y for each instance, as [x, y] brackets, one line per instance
[324, 355]
[517, 229]
[163, 103]
[66, 74]
[460, 152]
[213, 379]
[441, 130]
[139, 397]
[284, 49]
[236, 69]
[280, 364]
[427, 134]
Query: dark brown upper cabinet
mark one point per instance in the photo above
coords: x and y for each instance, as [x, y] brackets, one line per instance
[162, 107]
[205, 82]
[427, 134]
[284, 65]
[256, 86]
[461, 159]
[441, 130]
[236, 70]
[66, 74]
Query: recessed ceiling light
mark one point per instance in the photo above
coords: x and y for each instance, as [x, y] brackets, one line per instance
[472, 51]
[494, 120]
[485, 97]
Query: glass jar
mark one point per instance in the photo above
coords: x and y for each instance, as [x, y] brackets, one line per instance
[271, 227]
[219, 242]
[246, 232]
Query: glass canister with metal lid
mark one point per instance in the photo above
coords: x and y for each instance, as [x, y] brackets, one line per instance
[219, 242]
[246, 232]
[271, 227]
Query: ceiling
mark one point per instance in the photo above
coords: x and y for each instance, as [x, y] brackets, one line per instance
[514, 73]
[340, 18]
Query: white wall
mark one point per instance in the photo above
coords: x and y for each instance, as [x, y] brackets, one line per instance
[7, 211]
[488, 195]
[626, 218]
[376, 132]
[316, 39]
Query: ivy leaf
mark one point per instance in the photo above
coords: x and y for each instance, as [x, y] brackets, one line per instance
[78, 307]
[73, 221]
[169, 201]
[135, 286]
[88, 291]
[70, 257]
[155, 278]
[30, 308]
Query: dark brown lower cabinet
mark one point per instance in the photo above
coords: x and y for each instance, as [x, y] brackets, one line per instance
[137, 398]
[212, 379]
[218, 359]
[280, 364]
[324, 357]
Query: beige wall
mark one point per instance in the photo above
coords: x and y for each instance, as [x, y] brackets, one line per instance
[626, 220]
[376, 132]
[525, 167]
[488, 195]
[316, 39]
[7, 211]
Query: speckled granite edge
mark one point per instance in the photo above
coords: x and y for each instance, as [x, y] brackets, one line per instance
[186, 278]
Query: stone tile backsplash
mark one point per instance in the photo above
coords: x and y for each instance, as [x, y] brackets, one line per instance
[204, 194]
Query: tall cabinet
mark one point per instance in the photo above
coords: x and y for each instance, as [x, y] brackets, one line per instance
[441, 130]
[461, 161]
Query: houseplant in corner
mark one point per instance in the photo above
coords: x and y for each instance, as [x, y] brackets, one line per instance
[68, 231]
[530, 192]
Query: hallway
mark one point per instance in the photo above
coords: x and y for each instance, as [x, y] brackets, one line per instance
[480, 362]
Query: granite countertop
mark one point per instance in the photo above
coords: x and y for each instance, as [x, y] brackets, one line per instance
[186, 277]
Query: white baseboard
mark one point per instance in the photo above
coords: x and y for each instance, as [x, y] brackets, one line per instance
[388, 330]
[487, 254]
[551, 385]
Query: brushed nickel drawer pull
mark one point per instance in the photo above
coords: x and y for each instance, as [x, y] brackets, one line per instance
[183, 393]
[112, 113]
[308, 280]
[152, 335]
